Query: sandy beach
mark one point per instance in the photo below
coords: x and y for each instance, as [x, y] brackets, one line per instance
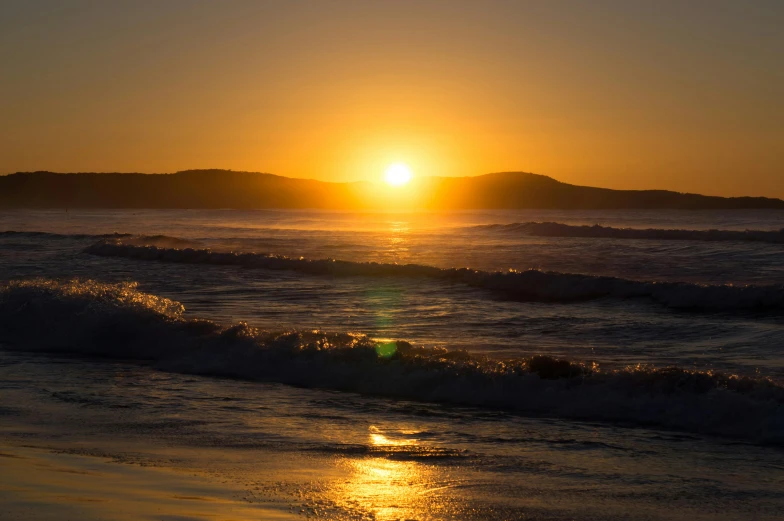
[43, 484]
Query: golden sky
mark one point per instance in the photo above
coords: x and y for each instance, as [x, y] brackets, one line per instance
[682, 95]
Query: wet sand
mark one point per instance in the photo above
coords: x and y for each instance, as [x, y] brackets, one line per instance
[39, 484]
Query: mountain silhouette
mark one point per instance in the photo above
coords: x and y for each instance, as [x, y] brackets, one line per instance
[251, 190]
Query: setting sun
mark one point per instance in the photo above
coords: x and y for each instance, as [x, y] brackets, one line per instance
[398, 174]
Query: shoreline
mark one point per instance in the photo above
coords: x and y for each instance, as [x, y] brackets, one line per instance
[95, 440]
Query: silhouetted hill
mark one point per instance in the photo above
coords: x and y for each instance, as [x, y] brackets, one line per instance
[246, 190]
[524, 190]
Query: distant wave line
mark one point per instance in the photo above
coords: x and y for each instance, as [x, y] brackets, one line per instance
[52, 235]
[160, 240]
[533, 229]
[534, 285]
[555, 229]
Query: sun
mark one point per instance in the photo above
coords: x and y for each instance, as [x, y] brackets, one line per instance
[398, 174]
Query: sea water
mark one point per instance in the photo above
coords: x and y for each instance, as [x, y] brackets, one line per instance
[496, 364]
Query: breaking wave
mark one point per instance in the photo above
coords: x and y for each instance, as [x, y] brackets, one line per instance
[119, 321]
[554, 229]
[532, 284]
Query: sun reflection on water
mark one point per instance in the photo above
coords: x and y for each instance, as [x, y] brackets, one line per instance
[398, 240]
[391, 484]
[378, 439]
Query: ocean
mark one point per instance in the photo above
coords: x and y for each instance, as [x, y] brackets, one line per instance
[466, 365]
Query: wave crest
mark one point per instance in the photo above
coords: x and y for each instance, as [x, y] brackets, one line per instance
[118, 320]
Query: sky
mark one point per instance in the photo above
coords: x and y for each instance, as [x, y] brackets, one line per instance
[684, 95]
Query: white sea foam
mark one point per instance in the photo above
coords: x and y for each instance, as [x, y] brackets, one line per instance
[524, 285]
[118, 320]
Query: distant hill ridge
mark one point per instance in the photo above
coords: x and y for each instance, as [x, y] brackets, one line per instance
[251, 190]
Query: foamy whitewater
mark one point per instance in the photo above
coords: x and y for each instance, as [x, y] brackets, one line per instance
[493, 347]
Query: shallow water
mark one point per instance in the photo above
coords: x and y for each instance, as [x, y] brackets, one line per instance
[341, 455]
[599, 452]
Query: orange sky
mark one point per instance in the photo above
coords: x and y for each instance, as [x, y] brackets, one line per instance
[624, 94]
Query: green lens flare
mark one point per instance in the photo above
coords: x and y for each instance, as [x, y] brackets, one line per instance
[386, 350]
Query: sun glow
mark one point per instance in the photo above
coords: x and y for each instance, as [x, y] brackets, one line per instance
[398, 174]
